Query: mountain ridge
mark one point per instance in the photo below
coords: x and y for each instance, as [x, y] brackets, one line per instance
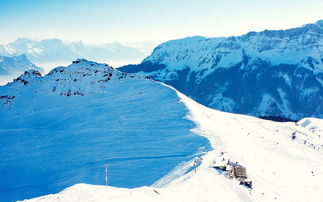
[54, 50]
[269, 73]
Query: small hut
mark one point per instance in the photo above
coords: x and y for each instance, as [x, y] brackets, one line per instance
[231, 169]
[240, 172]
[246, 182]
[241, 175]
[221, 162]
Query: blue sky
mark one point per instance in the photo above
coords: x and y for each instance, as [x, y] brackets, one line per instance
[100, 21]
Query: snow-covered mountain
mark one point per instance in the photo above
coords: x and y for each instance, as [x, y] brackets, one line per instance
[146, 46]
[11, 67]
[62, 128]
[283, 160]
[270, 73]
[53, 51]
[16, 65]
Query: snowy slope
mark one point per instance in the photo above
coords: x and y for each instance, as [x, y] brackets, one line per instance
[61, 129]
[11, 67]
[312, 124]
[281, 167]
[55, 51]
[269, 73]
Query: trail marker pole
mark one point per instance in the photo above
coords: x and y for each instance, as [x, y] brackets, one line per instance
[106, 175]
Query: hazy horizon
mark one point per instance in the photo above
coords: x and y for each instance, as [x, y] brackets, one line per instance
[125, 21]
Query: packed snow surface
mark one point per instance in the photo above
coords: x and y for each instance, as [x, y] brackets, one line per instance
[283, 160]
[61, 129]
[312, 124]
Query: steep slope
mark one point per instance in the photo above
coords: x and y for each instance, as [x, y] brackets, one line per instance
[54, 51]
[269, 73]
[62, 128]
[11, 67]
[283, 160]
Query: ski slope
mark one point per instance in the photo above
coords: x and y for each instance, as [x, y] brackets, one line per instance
[61, 129]
[284, 161]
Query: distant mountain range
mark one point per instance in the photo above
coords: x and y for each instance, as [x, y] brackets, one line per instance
[273, 73]
[56, 50]
[12, 66]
